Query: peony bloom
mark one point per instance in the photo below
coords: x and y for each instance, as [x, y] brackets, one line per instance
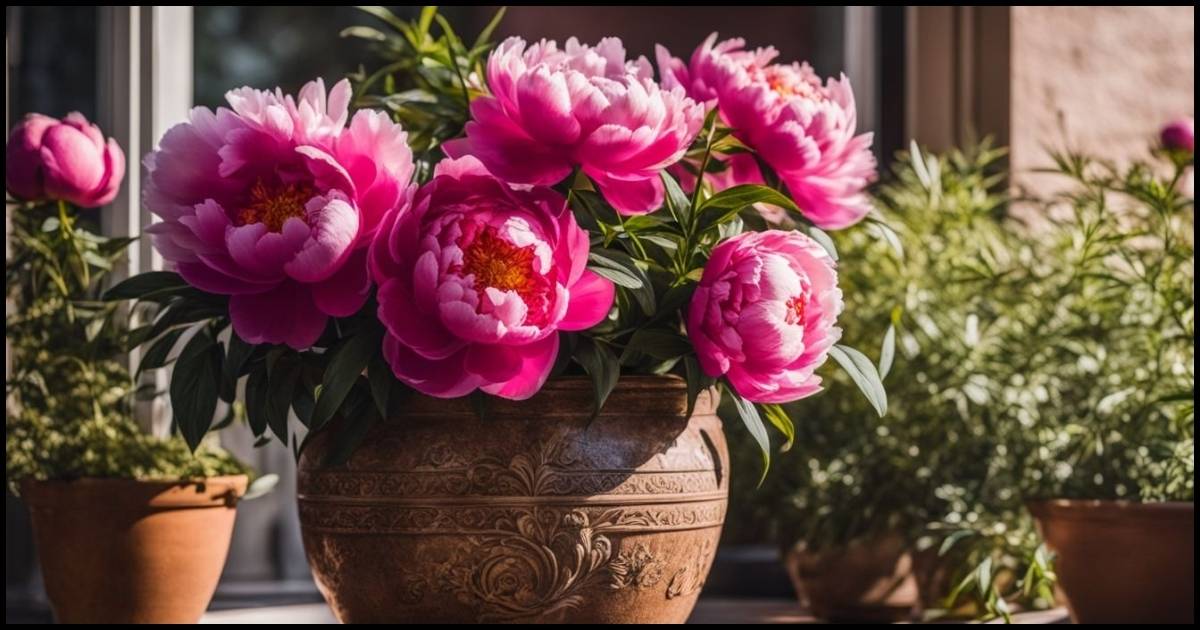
[475, 281]
[803, 129]
[765, 314]
[273, 203]
[66, 160]
[551, 110]
[1180, 135]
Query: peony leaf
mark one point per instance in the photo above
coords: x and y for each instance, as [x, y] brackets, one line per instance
[347, 364]
[779, 417]
[146, 285]
[863, 373]
[660, 344]
[725, 205]
[195, 384]
[602, 365]
[754, 423]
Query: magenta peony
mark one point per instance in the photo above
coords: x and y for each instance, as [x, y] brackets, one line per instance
[765, 314]
[67, 160]
[551, 110]
[803, 129]
[274, 201]
[476, 279]
[1179, 135]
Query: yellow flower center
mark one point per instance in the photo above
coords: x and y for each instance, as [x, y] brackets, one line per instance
[499, 264]
[274, 205]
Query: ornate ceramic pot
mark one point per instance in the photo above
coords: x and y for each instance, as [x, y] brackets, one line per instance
[534, 513]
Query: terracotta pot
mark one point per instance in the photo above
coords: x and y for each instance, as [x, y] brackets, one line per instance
[866, 581]
[1122, 562]
[126, 551]
[535, 513]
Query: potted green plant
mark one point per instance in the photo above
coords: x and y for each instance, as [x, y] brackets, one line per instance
[885, 518]
[1110, 342]
[128, 527]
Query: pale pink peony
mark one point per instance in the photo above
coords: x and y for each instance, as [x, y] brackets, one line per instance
[475, 280]
[274, 201]
[803, 129]
[551, 110]
[765, 314]
[67, 160]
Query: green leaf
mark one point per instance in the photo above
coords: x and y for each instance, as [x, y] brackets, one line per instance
[144, 285]
[602, 365]
[283, 375]
[754, 424]
[778, 417]
[887, 351]
[156, 355]
[485, 35]
[659, 343]
[256, 400]
[697, 381]
[236, 354]
[625, 272]
[380, 379]
[347, 364]
[725, 205]
[260, 487]
[951, 540]
[863, 373]
[677, 202]
[195, 384]
[675, 299]
[821, 237]
[350, 435]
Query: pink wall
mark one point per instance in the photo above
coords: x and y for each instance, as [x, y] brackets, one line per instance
[1109, 76]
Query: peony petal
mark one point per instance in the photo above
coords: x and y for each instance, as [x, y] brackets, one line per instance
[591, 300]
[334, 230]
[347, 290]
[630, 196]
[286, 314]
[441, 378]
[537, 359]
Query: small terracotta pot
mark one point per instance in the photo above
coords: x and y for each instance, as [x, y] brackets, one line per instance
[127, 551]
[866, 581]
[1122, 562]
[534, 513]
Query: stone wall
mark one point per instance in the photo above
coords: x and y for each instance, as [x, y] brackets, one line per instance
[1103, 79]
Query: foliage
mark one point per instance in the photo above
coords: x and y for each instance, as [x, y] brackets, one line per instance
[1105, 385]
[1052, 358]
[70, 398]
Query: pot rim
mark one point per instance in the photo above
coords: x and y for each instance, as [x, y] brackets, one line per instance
[218, 491]
[1108, 509]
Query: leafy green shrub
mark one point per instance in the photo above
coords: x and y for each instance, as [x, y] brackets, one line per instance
[69, 401]
[1024, 359]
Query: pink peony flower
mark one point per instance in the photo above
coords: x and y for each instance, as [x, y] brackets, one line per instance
[765, 314]
[804, 129]
[274, 201]
[551, 110]
[1180, 135]
[475, 281]
[66, 160]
